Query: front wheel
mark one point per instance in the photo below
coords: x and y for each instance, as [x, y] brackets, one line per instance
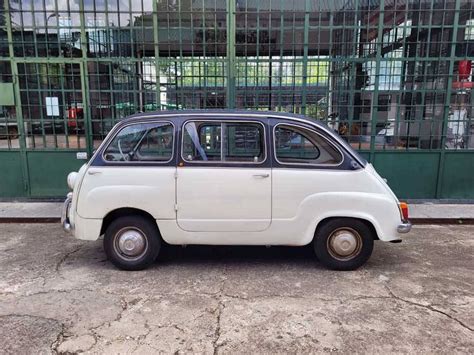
[343, 243]
[132, 242]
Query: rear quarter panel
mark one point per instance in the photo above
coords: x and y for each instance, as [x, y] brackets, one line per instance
[305, 197]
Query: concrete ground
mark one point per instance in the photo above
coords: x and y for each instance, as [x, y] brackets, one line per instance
[61, 295]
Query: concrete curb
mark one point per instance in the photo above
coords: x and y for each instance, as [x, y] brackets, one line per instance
[30, 220]
[457, 221]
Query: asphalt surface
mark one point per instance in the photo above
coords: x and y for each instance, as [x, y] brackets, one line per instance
[60, 295]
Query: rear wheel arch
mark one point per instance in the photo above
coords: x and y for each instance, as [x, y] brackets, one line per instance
[368, 223]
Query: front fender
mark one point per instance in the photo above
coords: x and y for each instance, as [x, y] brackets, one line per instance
[100, 201]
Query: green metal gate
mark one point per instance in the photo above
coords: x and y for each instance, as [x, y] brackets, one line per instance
[390, 76]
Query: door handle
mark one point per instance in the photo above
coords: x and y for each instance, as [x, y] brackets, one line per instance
[261, 176]
[94, 172]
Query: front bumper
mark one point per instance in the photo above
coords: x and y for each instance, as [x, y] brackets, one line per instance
[67, 226]
[404, 227]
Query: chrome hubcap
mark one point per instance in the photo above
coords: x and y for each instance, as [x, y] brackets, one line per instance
[344, 243]
[130, 243]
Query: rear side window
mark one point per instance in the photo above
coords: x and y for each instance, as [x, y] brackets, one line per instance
[151, 142]
[298, 145]
[224, 142]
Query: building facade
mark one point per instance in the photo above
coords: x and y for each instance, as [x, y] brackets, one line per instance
[393, 77]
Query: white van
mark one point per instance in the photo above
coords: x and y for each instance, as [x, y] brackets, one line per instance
[230, 178]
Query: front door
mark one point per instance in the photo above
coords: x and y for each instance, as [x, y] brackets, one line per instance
[224, 183]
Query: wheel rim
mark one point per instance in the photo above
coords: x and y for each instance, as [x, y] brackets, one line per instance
[130, 243]
[344, 244]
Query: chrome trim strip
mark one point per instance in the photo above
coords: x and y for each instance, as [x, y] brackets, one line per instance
[303, 164]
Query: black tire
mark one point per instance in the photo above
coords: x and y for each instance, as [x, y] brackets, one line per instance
[343, 243]
[141, 234]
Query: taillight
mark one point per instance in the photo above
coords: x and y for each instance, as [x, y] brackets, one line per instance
[404, 210]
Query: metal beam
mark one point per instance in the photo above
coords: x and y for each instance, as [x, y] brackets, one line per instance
[447, 103]
[18, 108]
[231, 12]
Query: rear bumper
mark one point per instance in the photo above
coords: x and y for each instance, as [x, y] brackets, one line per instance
[404, 227]
[65, 222]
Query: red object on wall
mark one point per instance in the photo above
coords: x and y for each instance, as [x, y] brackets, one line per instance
[73, 114]
[464, 69]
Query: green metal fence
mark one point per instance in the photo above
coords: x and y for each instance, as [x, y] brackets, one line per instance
[391, 76]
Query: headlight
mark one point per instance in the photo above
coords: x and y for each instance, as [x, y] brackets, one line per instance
[71, 180]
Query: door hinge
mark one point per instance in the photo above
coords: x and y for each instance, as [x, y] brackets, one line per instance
[176, 207]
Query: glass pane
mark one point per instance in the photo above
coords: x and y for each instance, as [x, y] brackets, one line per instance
[300, 146]
[157, 145]
[142, 142]
[244, 142]
[202, 141]
[291, 146]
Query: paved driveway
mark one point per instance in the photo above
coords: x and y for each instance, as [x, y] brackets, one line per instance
[61, 295]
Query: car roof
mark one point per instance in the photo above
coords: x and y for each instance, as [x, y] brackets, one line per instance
[218, 113]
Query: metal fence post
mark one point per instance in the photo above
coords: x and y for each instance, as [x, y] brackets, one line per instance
[374, 105]
[157, 54]
[305, 57]
[17, 96]
[447, 103]
[231, 54]
[85, 85]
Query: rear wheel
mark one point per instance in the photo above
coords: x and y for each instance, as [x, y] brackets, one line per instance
[343, 243]
[132, 242]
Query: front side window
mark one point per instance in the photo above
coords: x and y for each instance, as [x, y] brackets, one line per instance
[297, 145]
[225, 142]
[152, 142]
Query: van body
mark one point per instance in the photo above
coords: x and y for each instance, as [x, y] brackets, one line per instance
[230, 178]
